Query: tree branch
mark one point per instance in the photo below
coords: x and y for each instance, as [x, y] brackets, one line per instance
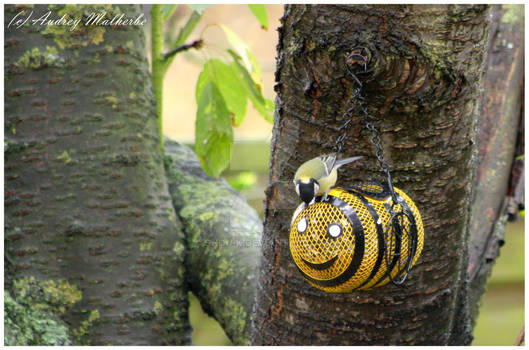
[197, 44]
[521, 337]
[222, 233]
[158, 67]
[503, 86]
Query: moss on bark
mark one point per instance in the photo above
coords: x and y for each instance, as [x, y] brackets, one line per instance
[32, 314]
[223, 239]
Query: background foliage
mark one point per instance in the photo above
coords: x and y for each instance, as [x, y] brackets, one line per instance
[228, 79]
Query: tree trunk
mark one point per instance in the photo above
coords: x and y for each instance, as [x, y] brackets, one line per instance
[87, 206]
[423, 87]
[95, 252]
[500, 122]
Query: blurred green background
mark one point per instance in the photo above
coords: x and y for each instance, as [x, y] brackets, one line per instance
[502, 312]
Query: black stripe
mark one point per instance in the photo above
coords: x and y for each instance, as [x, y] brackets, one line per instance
[358, 254]
[397, 246]
[322, 266]
[380, 236]
[380, 195]
[413, 232]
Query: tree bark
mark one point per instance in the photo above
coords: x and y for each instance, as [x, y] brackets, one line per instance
[423, 87]
[222, 241]
[500, 122]
[87, 206]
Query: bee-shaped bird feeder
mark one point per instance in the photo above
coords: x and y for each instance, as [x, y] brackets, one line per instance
[356, 239]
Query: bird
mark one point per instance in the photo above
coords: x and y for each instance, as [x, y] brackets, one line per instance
[315, 177]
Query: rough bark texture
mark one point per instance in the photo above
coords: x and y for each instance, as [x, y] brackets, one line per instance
[87, 205]
[423, 87]
[223, 239]
[500, 121]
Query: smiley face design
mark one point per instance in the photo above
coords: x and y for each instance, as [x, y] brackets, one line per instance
[338, 244]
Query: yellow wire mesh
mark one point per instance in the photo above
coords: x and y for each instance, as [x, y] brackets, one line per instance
[315, 247]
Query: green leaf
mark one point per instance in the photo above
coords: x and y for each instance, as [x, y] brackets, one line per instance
[244, 52]
[187, 29]
[259, 11]
[199, 8]
[218, 148]
[268, 111]
[204, 79]
[233, 91]
[256, 69]
[254, 87]
[244, 180]
[213, 131]
[264, 106]
[167, 11]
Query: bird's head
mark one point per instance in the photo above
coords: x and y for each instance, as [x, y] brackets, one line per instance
[306, 189]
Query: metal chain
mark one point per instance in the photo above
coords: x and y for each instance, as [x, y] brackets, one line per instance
[357, 102]
[396, 225]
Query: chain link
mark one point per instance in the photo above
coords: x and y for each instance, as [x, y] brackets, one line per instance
[356, 103]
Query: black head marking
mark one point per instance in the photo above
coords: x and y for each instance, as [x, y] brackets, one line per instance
[307, 190]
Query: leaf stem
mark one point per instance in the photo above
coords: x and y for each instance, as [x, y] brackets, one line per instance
[197, 44]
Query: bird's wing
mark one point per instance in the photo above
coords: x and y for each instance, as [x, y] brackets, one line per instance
[341, 162]
[329, 160]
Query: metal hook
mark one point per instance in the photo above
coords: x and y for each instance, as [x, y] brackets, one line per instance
[353, 75]
[356, 55]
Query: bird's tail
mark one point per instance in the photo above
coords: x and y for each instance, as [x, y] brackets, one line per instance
[341, 162]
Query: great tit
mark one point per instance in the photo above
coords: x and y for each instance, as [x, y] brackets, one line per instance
[315, 177]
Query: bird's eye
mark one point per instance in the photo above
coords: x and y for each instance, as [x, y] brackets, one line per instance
[302, 225]
[334, 230]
